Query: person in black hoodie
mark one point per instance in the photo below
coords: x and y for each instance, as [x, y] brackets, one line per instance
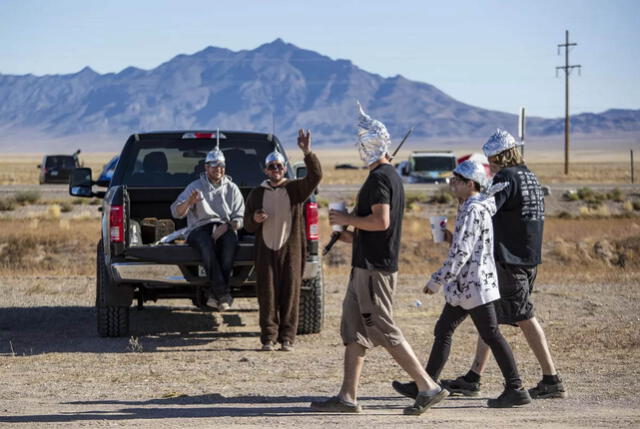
[518, 226]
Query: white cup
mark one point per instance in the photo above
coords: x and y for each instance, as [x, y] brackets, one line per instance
[438, 225]
[340, 207]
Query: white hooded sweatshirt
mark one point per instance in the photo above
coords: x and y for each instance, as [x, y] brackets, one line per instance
[219, 204]
[469, 273]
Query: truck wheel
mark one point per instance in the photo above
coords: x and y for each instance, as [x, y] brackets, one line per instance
[311, 312]
[113, 320]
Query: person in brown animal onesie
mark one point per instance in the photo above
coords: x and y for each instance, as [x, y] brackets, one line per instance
[274, 211]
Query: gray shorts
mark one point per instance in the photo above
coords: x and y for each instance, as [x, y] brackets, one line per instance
[367, 309]
[516, 285]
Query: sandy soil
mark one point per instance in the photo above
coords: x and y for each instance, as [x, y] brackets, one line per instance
[184, 368]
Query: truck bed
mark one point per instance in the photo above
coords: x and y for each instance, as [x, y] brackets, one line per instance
[183, 254]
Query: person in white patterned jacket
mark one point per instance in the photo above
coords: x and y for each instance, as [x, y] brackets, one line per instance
[470, 284]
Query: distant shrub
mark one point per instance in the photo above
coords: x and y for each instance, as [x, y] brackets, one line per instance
[565, 215]
[595, 211]
[616, 195]
[53, 211]
[590, 196]
[443, 196]
[95, 202]
[79, 201]
[412, 198]
[627, 206]
[636, 205]
[570, 196]
[585, 193]
[7, 204]
[66, 207]
[322, 202]
[27, 197]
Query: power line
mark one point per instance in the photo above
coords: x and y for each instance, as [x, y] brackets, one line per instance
[567, 71]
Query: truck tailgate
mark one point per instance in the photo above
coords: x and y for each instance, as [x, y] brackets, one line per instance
[183, 254]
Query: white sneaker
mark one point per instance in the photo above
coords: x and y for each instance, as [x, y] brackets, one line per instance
[223, 306]
[268, 347]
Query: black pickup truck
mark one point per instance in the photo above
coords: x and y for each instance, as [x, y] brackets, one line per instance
[132, 263]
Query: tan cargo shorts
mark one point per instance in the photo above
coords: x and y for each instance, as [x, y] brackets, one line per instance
[367, 309]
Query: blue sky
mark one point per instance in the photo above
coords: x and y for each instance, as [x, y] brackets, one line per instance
[493, 54]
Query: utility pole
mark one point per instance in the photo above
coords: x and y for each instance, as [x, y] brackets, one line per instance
[567, 71]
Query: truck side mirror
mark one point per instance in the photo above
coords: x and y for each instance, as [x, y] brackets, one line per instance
[80, 183]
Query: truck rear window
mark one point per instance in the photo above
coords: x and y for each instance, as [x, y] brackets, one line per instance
[433, 163]
[62, 162]
[176, 163]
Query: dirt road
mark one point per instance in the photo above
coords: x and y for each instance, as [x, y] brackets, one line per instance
[184, 368]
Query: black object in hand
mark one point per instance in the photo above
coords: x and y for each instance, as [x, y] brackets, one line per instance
[334, 237]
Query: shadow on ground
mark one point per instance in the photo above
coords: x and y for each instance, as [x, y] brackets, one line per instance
[37, 330]
[215, 405]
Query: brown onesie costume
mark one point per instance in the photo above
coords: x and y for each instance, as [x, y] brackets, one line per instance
[281, 250]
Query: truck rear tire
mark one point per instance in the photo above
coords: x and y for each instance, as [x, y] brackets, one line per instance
[311, 311]
[113, 320]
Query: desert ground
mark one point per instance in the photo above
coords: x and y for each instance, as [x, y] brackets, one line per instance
[181, 367]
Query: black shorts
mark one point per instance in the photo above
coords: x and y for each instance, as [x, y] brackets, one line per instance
[516, 285]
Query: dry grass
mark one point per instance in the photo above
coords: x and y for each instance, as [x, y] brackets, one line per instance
[592, 250]
[39, 246]
[584, 172]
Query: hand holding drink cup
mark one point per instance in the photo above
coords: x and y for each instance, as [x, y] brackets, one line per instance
[260, 215]
[336, 212]
[439, 229]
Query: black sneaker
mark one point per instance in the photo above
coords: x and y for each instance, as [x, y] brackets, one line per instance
[510, 398]
[548, 391]
[425, 401]
[461, 386]
[410, 389]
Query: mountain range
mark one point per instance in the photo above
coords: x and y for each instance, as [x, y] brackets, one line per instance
[276, 86]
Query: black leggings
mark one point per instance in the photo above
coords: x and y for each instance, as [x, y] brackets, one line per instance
[217, 257]
[484, 318]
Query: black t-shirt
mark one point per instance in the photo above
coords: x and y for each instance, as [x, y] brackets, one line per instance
[518, 223]
[378, 250]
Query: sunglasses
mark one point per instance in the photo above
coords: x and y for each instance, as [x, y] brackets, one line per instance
[218, 164]
[274, 167]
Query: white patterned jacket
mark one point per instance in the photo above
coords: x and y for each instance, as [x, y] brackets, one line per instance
[469, 272]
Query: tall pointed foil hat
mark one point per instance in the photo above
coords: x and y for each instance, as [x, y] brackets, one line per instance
[215, 156]
[373, 138]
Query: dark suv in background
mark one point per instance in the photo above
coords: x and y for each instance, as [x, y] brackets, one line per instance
[131, 263]
[57, 168]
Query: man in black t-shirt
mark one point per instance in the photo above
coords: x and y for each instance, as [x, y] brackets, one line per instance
[367, 314]
[378, 250]
[518, 226]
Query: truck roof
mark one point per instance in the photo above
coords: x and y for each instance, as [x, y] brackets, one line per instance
[180, 133]
[446, 153]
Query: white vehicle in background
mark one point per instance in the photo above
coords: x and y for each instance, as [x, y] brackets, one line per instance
[428, 167]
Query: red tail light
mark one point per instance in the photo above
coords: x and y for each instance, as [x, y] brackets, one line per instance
[116, 224]
[311, 211]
